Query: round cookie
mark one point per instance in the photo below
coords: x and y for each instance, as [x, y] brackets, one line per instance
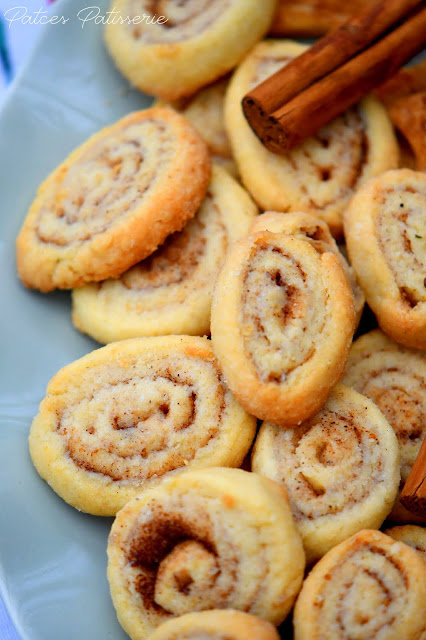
[394, 378]
[197, 42]
[206, 539]
[171, 291]
[385, 230]
[215, 625]
[340, 469]
[321, 174]
[412, 535]
[367, 587]
[316, 232]
[204, 111]
[113, 201]
[122, 417]
[282, 323]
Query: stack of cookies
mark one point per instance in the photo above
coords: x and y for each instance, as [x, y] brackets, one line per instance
[154, 224]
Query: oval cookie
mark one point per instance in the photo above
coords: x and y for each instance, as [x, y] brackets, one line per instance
[367, 587]
[207, 539]
[340, 469]
[282, 323]
[321, 174]
[170, 292]
[385, 230]
[122, 417]
[113, 201]
[196, 42]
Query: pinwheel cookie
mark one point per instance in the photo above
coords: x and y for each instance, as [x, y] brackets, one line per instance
[316, 232]
[119, 419]
[321, 174]
[193, 44]
[395, 379]
[340, 468]
[367, 587]
[204, 111]
[170, 292]
[113, 201]
[385, 229]
[412, 535]
[312, 18]
[216, 625]
[206, 539]
[282, 323]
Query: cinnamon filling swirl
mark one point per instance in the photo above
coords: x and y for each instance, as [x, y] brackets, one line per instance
[276, 282]
[145, 426]
[184, 19]
[106, 183]
[401, 233]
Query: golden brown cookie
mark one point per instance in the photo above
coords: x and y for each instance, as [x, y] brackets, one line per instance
[282, 323]
[204, 111]
[171, 291]
[367, 587]
[122, 417]
[412, 535]
[207, 539]
[395, 379]
[216, 625]
[320, 175]
[340, 469]
[113, 201]
[196, 42]
[385, 230]
[316, 232]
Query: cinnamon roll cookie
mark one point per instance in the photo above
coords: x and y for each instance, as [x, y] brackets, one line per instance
[113, 201]
[369, 586]
[316, 232]
[282, 323]
[206, 539]
[395, 379]
[321, 174]
[184, 45]
[412, 535]
[340, 468]
[385, 229]
[170, 292]
[122, 417]
[216, 625]
[204, 111]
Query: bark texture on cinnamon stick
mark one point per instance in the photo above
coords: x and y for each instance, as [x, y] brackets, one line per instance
[413, 495]
[331, 76]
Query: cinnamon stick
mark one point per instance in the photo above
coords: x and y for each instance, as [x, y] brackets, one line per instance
[301, 98]
[413, 495]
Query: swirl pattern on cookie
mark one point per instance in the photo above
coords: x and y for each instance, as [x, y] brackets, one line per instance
[316, 232]
[385, 230]
[122, 417]
[157, 55]
[113, 201]
[216, 625]
[395, 379]
[170, 292]
[367, 587]
[321, 174]
[412, 535]
[282, 322]
[204, 111]
[340, 469]
[206, 539]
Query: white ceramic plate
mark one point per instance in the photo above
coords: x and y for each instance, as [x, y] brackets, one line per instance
[52, 558]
